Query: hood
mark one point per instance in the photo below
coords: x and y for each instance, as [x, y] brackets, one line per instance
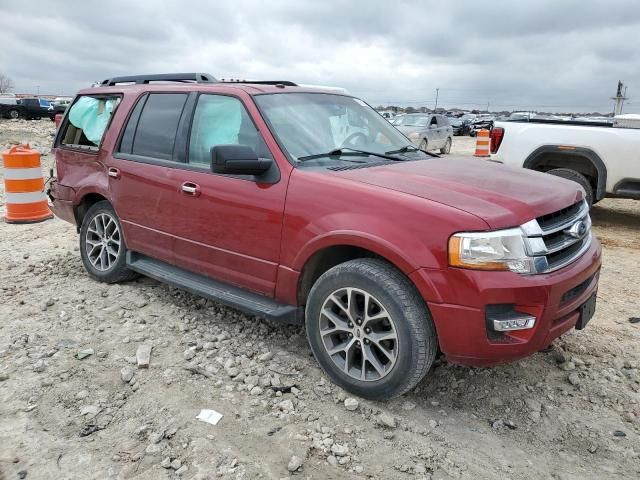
[502, 196]
[407, 129]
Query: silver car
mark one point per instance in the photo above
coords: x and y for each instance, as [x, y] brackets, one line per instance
[427, 131]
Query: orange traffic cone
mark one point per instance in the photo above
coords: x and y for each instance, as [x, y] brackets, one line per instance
[24, 186]
[482, 144]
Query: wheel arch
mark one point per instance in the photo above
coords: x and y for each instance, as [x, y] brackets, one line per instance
[581, 159]
[86, 202]
[326, 253]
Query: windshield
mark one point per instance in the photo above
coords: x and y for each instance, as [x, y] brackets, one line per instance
[309, 124]
[414, 121]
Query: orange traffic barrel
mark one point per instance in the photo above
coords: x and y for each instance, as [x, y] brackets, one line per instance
[482, 144]
[24, 186]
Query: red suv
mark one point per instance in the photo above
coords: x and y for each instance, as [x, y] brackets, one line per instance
[305, 205]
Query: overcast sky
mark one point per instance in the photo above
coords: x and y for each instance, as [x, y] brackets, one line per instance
[551, 55]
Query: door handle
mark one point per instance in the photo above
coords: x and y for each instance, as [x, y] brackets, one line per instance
[113, 172]
[190, 188]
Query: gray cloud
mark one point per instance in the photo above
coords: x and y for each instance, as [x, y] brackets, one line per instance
[549, 54]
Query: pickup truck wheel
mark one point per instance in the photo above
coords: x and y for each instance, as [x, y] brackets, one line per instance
[102, 246]
[575, 177]
[423, 144]
[369, 329]
[14, 114]
[447, 147]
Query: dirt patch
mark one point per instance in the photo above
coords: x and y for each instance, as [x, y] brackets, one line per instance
[570, 413]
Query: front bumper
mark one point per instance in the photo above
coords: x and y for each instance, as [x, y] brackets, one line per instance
[463, 296]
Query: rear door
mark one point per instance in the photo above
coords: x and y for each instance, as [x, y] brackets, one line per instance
[140, 177]
[445, 128]
[435, 133]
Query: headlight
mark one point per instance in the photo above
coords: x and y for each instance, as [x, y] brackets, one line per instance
[499, 250]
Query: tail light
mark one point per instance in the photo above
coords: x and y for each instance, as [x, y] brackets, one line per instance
[497, 134]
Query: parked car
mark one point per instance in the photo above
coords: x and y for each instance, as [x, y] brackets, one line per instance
[602, 157]
[29, 108]
[460, 126]
[481, 122]
[304, 205]
[427, 131]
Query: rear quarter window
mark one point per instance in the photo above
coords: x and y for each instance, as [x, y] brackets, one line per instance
[87, 121]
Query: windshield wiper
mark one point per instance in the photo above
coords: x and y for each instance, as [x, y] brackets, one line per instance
[411, 148]
[351, 152]
[333, 153]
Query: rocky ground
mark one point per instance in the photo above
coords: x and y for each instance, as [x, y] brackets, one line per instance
[74, 403]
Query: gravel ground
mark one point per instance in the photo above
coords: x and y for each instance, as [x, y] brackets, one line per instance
[569, 413]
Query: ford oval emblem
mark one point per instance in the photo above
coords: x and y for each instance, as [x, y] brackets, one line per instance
[577, 230]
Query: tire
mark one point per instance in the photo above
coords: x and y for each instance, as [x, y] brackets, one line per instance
[397, 310]
[447, 146]
[575, 177]
[424, 144]
[14, 114]
[472, 133]
[103, 265]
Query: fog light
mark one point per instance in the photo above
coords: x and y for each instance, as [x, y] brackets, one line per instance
[513, 321]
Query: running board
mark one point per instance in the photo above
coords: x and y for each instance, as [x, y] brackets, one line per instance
[247, 302]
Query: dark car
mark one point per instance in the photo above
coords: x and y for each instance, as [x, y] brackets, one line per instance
[460, 126]
[29, 108]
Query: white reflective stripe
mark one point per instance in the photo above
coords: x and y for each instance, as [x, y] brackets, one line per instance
[22, 173]
[30, 197]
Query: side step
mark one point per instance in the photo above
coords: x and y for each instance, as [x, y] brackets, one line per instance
[247, 302]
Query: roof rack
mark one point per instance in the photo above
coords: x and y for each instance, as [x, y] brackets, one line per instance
[285, 83]
[160, 77]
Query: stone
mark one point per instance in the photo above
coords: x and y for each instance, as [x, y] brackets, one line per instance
[286, 405]
[387, 420]
[126, 374]
[143, 355]
[256, 390]
[176, 464]
[408, 405]
[39, 366]
[265, 357]
[182, 470]
[166, 463]
[331, 460]
[295, 463]
[189, 354]
[351, 404]
[574, 379]
[82, 394]
[339, 450]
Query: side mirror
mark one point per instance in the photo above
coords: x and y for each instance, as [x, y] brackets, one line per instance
[238, 160]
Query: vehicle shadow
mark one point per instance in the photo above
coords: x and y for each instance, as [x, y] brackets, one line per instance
[602, 216]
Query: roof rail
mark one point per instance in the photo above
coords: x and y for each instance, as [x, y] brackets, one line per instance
[285, 83]
[160, 77]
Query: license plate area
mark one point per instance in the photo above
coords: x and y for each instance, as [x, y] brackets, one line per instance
[587, 310]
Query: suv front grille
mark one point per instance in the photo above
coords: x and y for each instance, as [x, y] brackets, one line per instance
[557, 239]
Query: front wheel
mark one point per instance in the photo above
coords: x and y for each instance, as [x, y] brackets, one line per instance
[369, 329]
[14, 114]
[447, 147]
[102, 245]
[423, 144]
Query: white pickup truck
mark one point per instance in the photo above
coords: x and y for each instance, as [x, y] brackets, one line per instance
[603, 157]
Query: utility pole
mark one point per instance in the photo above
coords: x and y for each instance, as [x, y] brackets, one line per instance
[436, 107]
[621, 96]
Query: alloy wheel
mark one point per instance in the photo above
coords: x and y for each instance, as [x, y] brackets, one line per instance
[103, 242]
[358, 334]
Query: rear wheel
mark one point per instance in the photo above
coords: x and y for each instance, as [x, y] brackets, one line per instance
[102, 246]
[423, 144]
[447, 147]
[369, 329]
[575, 177]
[14, 114]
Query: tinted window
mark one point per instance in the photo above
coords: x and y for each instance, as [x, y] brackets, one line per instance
[433, 121]
[126, 144]
[222, 120]
[156, 132]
